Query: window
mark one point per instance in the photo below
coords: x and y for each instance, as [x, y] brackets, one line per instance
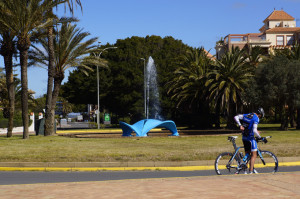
[280, 40]
[290, 40]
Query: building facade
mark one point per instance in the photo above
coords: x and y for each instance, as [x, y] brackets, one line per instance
[278, 32]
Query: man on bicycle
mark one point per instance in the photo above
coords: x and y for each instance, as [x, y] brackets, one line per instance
[249, 130]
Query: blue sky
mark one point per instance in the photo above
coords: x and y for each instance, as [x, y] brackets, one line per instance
[195, 22]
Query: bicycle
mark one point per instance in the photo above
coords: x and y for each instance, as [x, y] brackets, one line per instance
[233, 163]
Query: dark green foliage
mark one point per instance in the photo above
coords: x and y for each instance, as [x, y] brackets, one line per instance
[122, 84]
[228, 81]
[278, 83]
[4, 120]
[81, 89]
[194, 91]
[40, 104]
[188, 88]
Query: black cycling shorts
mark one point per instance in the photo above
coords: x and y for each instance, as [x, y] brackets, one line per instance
[250, 145]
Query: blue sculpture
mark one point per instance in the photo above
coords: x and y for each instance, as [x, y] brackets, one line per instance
[142, 127]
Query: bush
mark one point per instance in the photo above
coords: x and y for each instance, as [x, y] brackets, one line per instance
[3, 123]
[17, 120]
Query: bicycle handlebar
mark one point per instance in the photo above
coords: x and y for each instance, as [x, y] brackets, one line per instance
[263, 139]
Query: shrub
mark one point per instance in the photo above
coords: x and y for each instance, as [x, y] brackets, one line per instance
[17, 120]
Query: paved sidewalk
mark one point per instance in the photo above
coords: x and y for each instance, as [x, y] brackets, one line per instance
[280, 185]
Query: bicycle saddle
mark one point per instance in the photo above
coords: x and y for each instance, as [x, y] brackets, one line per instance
[232, 137]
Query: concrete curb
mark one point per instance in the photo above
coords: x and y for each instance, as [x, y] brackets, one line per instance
[123, 166]
[106, 165]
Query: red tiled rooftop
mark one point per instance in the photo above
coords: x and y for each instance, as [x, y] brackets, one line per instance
[283, 29]
[254, 34]
[279, 15]
[262, 29]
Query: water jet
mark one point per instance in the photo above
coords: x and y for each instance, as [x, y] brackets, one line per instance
[152, 107]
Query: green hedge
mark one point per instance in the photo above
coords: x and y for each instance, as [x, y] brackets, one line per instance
[17, 123]
[17, 120]
[4, 122]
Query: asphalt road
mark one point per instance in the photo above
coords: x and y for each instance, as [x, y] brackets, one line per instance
[17, 177]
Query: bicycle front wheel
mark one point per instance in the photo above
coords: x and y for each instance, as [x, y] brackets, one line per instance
[266, 162]
[224, 165]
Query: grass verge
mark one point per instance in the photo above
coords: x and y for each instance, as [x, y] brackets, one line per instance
[137, 149]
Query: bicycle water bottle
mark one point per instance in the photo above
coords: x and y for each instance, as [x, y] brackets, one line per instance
[246, 157]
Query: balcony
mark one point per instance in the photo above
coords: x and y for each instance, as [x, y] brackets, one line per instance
[241, 40]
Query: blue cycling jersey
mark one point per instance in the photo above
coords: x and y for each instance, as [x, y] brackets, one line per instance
[248, 122]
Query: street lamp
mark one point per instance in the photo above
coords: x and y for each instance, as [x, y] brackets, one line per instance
[145, 104]
[98, 96]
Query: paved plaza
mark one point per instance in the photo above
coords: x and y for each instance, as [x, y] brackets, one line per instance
[279, 185]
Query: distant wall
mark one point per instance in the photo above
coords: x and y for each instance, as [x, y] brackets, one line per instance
[20, 129]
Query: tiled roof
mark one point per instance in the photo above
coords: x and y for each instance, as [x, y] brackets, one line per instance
[279, 15]
[254, 34]
[262, 29]
[209, 55]
[283, 29]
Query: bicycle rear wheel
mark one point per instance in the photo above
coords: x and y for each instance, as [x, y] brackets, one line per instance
[223, 166]
[267, 164]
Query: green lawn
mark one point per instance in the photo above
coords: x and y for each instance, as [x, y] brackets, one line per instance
[65, 149]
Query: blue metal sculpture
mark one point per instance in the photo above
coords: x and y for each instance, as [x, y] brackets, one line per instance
[142, 127]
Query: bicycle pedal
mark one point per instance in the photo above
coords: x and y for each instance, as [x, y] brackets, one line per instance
[242, 166]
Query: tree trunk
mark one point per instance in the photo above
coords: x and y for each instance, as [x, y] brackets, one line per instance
[217, 114]
[23, 46]
[11, 92]
[57, 84]
[285, 119]
[298, 119]
[231, 113]
[24, 94]
[292, 117]
[7, 50]
[49, 116]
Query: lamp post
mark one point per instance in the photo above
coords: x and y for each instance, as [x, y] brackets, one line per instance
[98, 92]
[145, 104]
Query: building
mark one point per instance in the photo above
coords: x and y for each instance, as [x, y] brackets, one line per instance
[278, 32]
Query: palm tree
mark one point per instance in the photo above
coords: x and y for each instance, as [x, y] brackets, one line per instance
[69, 48]
[66, 106]
[51, 68]
[228, 80]
[71, 3]
[188, 87]
[23, 18]
[7, 50]
[2, 89]
[295, 52]
[254, 56]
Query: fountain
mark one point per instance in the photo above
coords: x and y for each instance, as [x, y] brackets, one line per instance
[152, 93]
[152, 107]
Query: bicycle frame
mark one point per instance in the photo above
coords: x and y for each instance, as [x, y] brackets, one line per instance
[236, 148]
[260, 156]
[229, 162]
[239, 159]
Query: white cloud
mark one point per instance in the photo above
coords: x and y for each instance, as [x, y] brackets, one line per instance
[239, 5]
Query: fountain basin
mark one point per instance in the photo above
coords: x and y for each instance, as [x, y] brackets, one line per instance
[142, 127]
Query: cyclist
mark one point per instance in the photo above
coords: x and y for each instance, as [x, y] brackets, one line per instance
[249, 131]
